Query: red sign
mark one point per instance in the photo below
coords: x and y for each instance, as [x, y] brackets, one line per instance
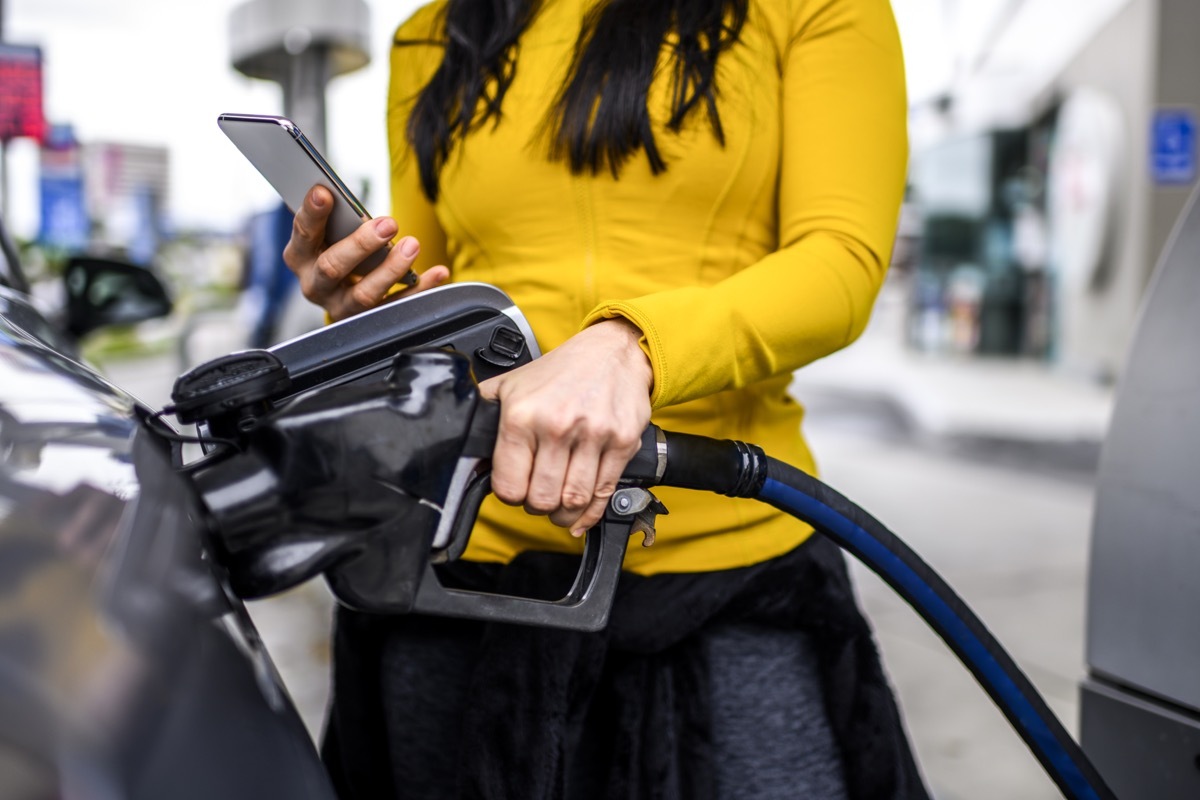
[21, 92]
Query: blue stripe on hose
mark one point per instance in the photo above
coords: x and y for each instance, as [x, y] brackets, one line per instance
[922, 595]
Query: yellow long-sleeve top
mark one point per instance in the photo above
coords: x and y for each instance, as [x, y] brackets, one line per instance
[739, 263]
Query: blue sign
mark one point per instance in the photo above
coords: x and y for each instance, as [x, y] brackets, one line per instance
[1173, 146]
[64, 221]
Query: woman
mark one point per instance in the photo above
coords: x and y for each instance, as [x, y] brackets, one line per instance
[689, 199]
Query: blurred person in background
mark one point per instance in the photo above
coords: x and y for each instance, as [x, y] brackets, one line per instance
[688, 199]
[268, 284]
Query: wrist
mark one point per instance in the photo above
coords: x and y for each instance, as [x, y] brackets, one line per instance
[627, 339]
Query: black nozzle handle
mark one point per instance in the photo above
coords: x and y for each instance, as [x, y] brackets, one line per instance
[670, 459]
[584, 608]
[485, 427]
[649, 464]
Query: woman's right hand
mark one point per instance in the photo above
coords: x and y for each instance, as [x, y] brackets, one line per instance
[325, 271]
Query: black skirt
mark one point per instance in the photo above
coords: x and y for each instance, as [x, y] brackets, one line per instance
[619, 714]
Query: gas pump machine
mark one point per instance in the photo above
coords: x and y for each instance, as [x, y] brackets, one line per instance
[1140, 705]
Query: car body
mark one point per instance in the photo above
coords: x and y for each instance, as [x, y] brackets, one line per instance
[128, 669]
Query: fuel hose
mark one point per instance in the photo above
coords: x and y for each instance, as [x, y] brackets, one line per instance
[737, 469]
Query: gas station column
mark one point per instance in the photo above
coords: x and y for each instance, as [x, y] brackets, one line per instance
[301, 45]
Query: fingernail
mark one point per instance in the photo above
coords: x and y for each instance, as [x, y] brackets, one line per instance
[409, 247]
[317, 199]
[385, 227]
[578, 532]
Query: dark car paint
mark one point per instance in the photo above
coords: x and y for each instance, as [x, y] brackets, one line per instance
[127, 670]
[20, 318]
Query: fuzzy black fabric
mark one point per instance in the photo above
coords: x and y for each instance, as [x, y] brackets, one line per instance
[616, 715]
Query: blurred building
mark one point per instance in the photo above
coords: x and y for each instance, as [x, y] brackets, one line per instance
[126, 188]
[102, 195]
[1047, 177]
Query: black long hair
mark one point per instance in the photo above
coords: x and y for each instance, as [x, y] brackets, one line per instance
[600, 118]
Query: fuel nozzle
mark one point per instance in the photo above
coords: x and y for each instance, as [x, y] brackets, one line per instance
[350, 480]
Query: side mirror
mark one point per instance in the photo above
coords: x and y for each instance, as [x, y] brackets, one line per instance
[103, 292]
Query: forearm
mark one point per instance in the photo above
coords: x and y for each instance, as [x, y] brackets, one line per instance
[842, 166]
[793, 307]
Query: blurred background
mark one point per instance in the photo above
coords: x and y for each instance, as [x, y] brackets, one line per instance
[1053, 147]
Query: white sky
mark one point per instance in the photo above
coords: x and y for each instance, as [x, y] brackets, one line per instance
[155, 72]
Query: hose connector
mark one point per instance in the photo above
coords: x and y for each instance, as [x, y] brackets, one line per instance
[724, 466]
[751, 471]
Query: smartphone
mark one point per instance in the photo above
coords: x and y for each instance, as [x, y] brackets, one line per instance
[281, 152]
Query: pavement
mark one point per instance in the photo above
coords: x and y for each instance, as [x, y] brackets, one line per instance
[984, 466]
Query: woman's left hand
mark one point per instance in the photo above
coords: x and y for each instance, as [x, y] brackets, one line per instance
[569, 423]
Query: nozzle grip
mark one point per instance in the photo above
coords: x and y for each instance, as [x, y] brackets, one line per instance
[584, 608]
[587, 605]
[648, 464]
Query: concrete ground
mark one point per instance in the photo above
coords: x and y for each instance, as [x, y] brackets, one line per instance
[984, 468]
[1012, 541]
